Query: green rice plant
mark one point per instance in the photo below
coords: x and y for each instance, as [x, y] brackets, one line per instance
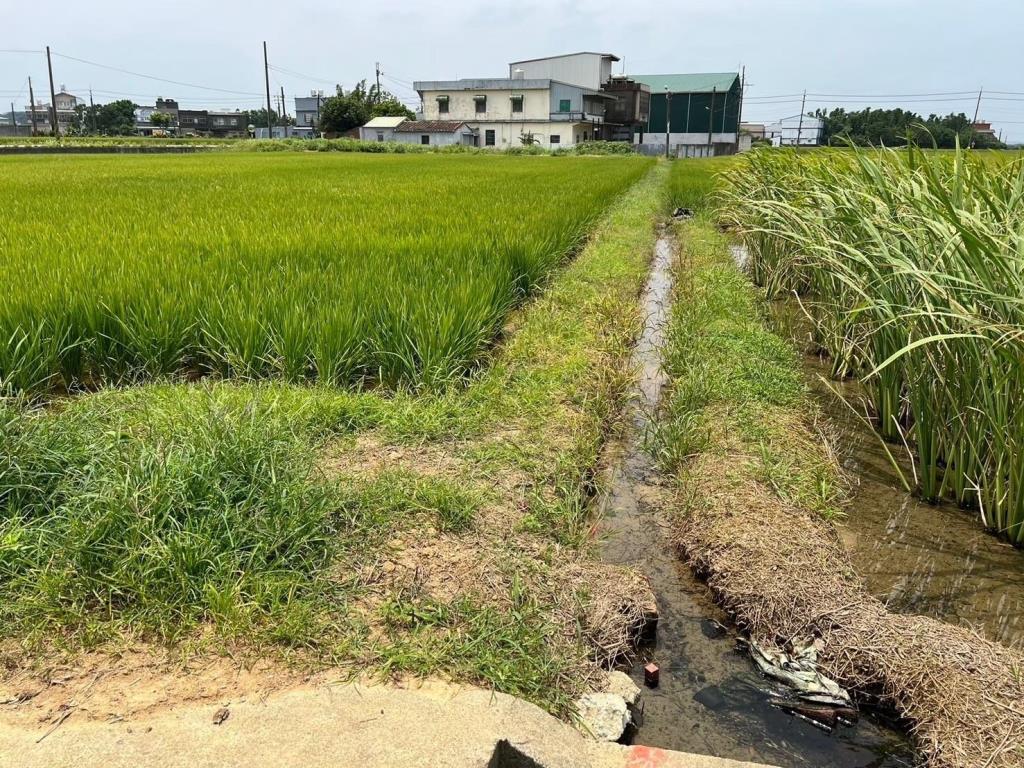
[911, 265]
[305, 266]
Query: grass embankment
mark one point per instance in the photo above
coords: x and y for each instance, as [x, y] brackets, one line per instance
[757, 485]
[342, 269]
[431, 533]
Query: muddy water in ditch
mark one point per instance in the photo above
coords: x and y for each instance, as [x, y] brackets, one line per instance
[921, 558]
[710, 699]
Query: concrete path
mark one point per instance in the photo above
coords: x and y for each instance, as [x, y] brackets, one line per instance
[344, 725]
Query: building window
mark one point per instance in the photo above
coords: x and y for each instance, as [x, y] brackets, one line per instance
[556, 139]
[489, 138]
[564, 105]
[380, 136]
[481, 104]
[442, 105]
[425, 139]
[517, 103]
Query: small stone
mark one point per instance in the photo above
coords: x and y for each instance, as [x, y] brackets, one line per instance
[652, 675]
[221, 715]
[603, 715]
[620, 684]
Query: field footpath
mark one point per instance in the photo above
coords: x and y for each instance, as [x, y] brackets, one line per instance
[757, 484]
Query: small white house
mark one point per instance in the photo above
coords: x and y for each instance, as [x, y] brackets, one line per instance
[794, 131]
[381, 129]
[435, 133]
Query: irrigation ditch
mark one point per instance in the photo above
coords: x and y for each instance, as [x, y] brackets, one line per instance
[710, 698]
[753, 488]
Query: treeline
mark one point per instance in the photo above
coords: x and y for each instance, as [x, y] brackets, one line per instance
[897, 127]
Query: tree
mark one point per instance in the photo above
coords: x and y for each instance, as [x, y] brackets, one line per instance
[117, 118]
[895, 127]
[258, 118]
[114, 119]
[343, 112]
[160, 119]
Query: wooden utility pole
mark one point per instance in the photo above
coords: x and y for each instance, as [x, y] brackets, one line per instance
[711, 118]
[54, 128]
[32, 106]
[266, 78]
[800, 125]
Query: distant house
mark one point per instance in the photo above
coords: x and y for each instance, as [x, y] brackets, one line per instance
[435, 133]
[227, 125]
[67, 104]
[697, 113]
[795, 131]
[381, 129]
[307, 109]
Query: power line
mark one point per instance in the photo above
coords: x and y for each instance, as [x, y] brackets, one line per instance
[153, 77]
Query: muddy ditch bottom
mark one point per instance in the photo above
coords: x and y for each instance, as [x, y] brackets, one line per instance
[710, 699]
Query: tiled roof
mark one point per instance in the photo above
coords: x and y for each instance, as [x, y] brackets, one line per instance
[429, 126]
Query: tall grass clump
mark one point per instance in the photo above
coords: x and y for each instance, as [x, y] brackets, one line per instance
[911, 265]
[339, 268]
[163, 510]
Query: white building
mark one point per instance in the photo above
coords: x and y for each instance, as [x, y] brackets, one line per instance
[380, 129]
[435, 133]
[510, 112]
[791, 131]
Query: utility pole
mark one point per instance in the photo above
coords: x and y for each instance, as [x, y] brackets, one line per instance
[977, 109]
[711, 118]
[92, 111]
[284, 110]
[800, 125]
[376, 97]
[53, 97]
[739, 114]
[318, 97]
[266, 78]
[32, 106]
[668, 121]
[14, 120]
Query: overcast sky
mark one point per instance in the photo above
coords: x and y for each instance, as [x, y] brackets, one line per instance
[853, 48]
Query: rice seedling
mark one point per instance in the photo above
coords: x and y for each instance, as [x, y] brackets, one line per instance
[911, 265]
[339, 268]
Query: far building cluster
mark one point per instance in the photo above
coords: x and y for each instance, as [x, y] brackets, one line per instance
[560, 101]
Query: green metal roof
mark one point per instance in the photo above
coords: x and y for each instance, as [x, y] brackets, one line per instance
[701, 82]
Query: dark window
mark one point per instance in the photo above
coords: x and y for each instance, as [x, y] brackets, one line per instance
[380, 136]
[517, 103]
[584, 135]
[442, 105]
[556, 139]
[489, 138]
[565, 105]
[425, 138]
[481, 104]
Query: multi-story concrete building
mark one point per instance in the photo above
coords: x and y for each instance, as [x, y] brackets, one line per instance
[307, 109]
[795, 131]
[508, 112]
[67, 104]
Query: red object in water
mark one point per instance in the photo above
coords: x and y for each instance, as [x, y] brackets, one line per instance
[651, 674]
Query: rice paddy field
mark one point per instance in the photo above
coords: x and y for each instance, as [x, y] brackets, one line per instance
[341, 269]
[911, 267]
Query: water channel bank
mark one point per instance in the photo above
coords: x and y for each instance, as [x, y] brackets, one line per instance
[918, 558]
[710, 699]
